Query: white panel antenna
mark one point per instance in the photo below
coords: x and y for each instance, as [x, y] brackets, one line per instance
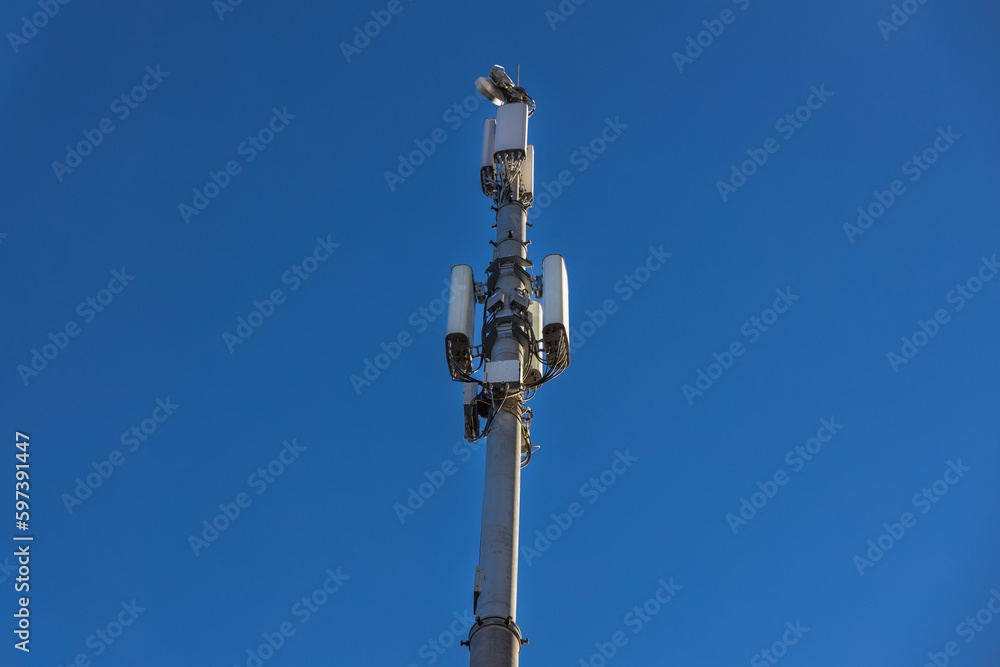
[528, 176]
[534, 372]
[512, 128]
[461, 320]
[555, 307]
[486, 169]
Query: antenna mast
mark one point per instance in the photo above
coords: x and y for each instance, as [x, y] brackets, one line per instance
[524, 344]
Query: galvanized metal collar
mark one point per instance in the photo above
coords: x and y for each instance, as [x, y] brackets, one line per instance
[499, 621]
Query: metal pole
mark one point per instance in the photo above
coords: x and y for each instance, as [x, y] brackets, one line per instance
[495, 639]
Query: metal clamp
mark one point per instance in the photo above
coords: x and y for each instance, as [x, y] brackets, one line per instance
[499, 621]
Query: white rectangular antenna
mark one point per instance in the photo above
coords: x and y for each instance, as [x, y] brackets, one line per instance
[512, 128]
[489, 129]
[528, 176]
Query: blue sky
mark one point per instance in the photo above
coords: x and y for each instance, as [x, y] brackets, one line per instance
[215, 214]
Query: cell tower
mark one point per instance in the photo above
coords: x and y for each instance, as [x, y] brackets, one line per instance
[524, 345]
